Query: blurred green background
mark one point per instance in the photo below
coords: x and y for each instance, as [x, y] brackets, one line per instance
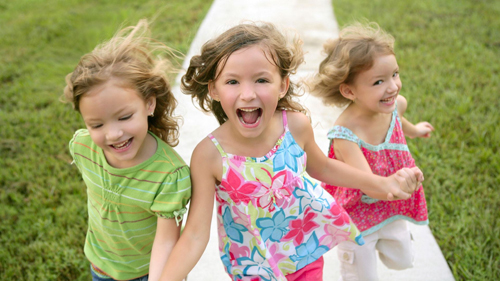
[448, 52]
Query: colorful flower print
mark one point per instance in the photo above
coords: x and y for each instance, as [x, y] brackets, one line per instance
[311, 195]
[237, 188]
[274, 229]
[309, 252]
[334, 236]
[233, 230]
[276, 194]
[256, 265]
[299, 227]
[237, 252]
[287, 154]
[339, 216]
[225, 258]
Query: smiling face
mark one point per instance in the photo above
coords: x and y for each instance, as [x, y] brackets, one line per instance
[248, 88]
[117, 120]
[377, 88]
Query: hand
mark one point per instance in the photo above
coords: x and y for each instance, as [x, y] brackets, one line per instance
[408, 180]
[424, 130]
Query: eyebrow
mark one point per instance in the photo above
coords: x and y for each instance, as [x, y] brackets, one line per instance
[119, 112]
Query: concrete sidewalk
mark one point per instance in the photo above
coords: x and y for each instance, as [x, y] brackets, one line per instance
[314, 21]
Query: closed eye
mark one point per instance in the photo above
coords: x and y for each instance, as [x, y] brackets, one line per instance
[96, 126]
[125, 117]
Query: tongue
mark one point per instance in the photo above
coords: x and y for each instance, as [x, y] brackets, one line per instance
[250, 117]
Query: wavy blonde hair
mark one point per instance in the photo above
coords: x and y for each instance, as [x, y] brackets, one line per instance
[347, 56]
[286, 54]
[134, 58]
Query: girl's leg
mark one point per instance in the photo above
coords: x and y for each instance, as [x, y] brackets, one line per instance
[311, 272]
[358, 263]
[396, 246]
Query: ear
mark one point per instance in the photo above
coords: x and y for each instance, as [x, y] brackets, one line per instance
[212, 91]
[346, 91]
[151, 104]
[285, 84]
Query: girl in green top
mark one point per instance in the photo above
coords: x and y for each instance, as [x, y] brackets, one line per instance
[137, 185]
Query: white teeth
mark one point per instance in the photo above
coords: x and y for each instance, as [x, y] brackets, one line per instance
[248, 110]
[387, 100]
[120, 145]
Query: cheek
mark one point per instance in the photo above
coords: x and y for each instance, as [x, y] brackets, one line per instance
[97, 138]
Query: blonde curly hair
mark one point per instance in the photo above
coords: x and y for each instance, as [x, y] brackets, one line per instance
[347, 56]
[136, 59]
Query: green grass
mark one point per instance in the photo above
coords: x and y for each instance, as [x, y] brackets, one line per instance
[449, 55]
[42, 197]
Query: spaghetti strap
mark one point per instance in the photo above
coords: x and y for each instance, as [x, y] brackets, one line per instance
[219, 147]
[285, 121]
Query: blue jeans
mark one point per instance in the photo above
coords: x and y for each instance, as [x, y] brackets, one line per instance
[97, 278]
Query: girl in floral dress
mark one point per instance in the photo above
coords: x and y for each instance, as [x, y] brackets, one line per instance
[361, 71]
[274, 222]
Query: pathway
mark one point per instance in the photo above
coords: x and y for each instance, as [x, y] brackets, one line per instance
[315, 22]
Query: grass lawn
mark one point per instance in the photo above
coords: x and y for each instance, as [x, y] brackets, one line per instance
[42, 198]
[449, 55]
[448, 52]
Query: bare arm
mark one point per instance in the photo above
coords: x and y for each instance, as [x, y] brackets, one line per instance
[167, 234]
[335, 172]
[350, 153]
[421, 129]
[196, 233]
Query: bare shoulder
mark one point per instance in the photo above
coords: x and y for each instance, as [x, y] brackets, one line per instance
[205, 158]
[297, 121]
[402, 105]
[300, 128]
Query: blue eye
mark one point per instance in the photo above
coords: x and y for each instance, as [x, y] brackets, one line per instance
[396, 74]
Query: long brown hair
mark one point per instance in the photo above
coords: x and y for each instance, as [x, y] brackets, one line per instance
[286, 54]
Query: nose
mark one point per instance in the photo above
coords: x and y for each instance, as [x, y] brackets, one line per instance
[247, 92]
[394, 85]
[114, 133]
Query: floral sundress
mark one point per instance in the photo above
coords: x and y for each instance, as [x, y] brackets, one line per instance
[384, 159]
[272, 219]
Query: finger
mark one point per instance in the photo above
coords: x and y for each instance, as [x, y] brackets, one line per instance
[428, 125]
[418, 174]
[390, 196]
[404, 184]
[411, 175]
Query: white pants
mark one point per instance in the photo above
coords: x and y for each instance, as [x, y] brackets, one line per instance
[393, 243]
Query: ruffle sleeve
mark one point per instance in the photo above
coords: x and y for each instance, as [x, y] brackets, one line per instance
[339, 132]
[175, 193]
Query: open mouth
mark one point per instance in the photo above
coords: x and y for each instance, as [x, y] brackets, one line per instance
[122, 145]
[249, 116]
[388, 100]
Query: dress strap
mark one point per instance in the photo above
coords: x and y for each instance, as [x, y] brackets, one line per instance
[219, 147]
[285, 121]
[339, 132]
